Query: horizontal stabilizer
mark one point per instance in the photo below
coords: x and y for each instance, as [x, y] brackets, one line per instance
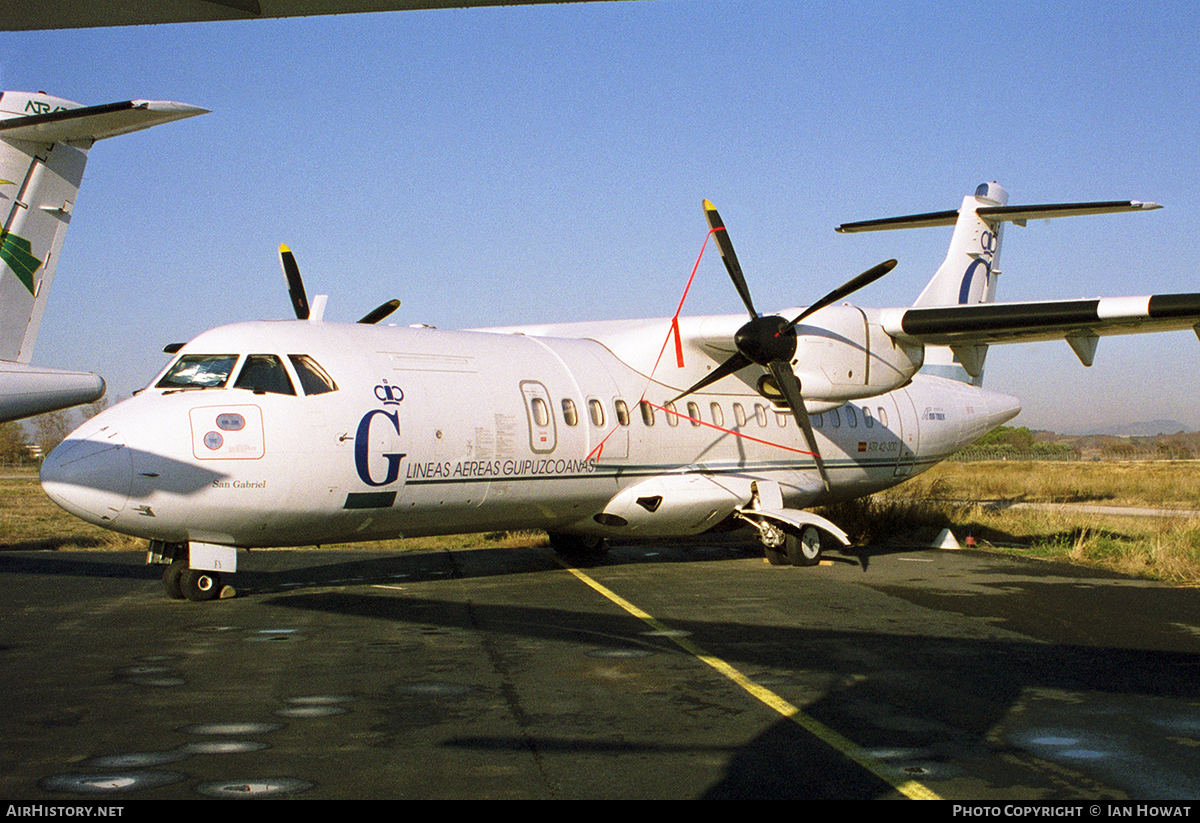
[988, 323]
[95, 122]
[29, 390]
[998, 214]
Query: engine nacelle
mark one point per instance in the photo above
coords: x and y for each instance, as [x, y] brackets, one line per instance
[843, 353]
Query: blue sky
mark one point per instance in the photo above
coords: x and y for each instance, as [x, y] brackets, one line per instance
[531, 164]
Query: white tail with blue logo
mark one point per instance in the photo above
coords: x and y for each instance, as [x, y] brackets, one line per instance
[969, 274]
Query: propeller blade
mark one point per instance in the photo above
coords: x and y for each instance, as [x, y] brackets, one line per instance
[381, 312]
[869, 276]
[726, 248]
[291, 273]
[786, 379]
[736, 362]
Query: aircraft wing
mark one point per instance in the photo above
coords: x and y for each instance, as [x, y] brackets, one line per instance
[24, 15]
[95, 122]
[1079, 322]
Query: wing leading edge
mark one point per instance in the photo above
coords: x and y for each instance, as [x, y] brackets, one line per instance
[1080, 322]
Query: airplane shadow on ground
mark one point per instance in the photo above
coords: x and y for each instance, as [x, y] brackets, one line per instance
[922, 705]
[264, 571]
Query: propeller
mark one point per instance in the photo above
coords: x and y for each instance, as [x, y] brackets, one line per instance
[291, 272]
[380, 312]
[770, 341]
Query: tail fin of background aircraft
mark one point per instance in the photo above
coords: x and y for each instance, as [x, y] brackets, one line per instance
[44, 143]
[970, 271]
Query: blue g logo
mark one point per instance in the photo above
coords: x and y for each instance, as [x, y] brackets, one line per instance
[362, 443]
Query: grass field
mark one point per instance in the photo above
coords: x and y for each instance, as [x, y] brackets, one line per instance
[959, 496]
[972, 500]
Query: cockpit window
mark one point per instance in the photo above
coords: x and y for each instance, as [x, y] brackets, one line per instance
[264, 374]
[199, 371]
[313, 378]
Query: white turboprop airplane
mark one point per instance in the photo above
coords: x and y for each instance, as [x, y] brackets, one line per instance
[289, 433]
[44, 143]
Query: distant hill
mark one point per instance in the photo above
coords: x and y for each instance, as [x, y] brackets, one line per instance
[1147, 428]
[1178, 444]
[1008, 442]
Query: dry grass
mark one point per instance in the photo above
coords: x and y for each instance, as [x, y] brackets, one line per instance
[1158, 483]
[497, 540]
[971, 499]
[29, 521]
[958, 496]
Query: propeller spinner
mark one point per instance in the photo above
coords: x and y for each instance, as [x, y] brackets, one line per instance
[291, 272]
[770, 341]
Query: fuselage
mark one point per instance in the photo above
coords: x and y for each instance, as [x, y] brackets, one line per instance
[296, 433]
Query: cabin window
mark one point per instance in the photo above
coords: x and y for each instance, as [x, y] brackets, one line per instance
[694, 413]
[672, 415]
[718, 416]
[781, 418]
[647, 413]
[313, 379]
[622, 412]
[818, 420]
[570, 416]
[199, 371]
[739, 414]
[760, 414]
[835, 419]
[264, 374]
[541, 412]
[851, 417]
[867, 419]
[596, 412]
[882, 417]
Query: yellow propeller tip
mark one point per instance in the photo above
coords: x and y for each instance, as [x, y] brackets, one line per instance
[283, 249]
[708, 206]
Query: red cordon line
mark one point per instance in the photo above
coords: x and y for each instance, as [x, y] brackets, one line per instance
[599, 450]
[696, 421]
[675, 320]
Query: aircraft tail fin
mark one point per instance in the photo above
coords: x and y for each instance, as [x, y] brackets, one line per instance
[969, 274]
[44, 143]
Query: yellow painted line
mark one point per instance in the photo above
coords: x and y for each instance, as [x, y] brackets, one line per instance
[909, 788]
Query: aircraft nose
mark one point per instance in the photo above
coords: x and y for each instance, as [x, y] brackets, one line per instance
[90, 476]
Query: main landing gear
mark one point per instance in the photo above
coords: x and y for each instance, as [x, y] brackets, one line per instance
[180, 581]
[581, 547]
[790, 536]
[791, 548]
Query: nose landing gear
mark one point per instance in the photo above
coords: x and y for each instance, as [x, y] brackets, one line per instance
[180, 581]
